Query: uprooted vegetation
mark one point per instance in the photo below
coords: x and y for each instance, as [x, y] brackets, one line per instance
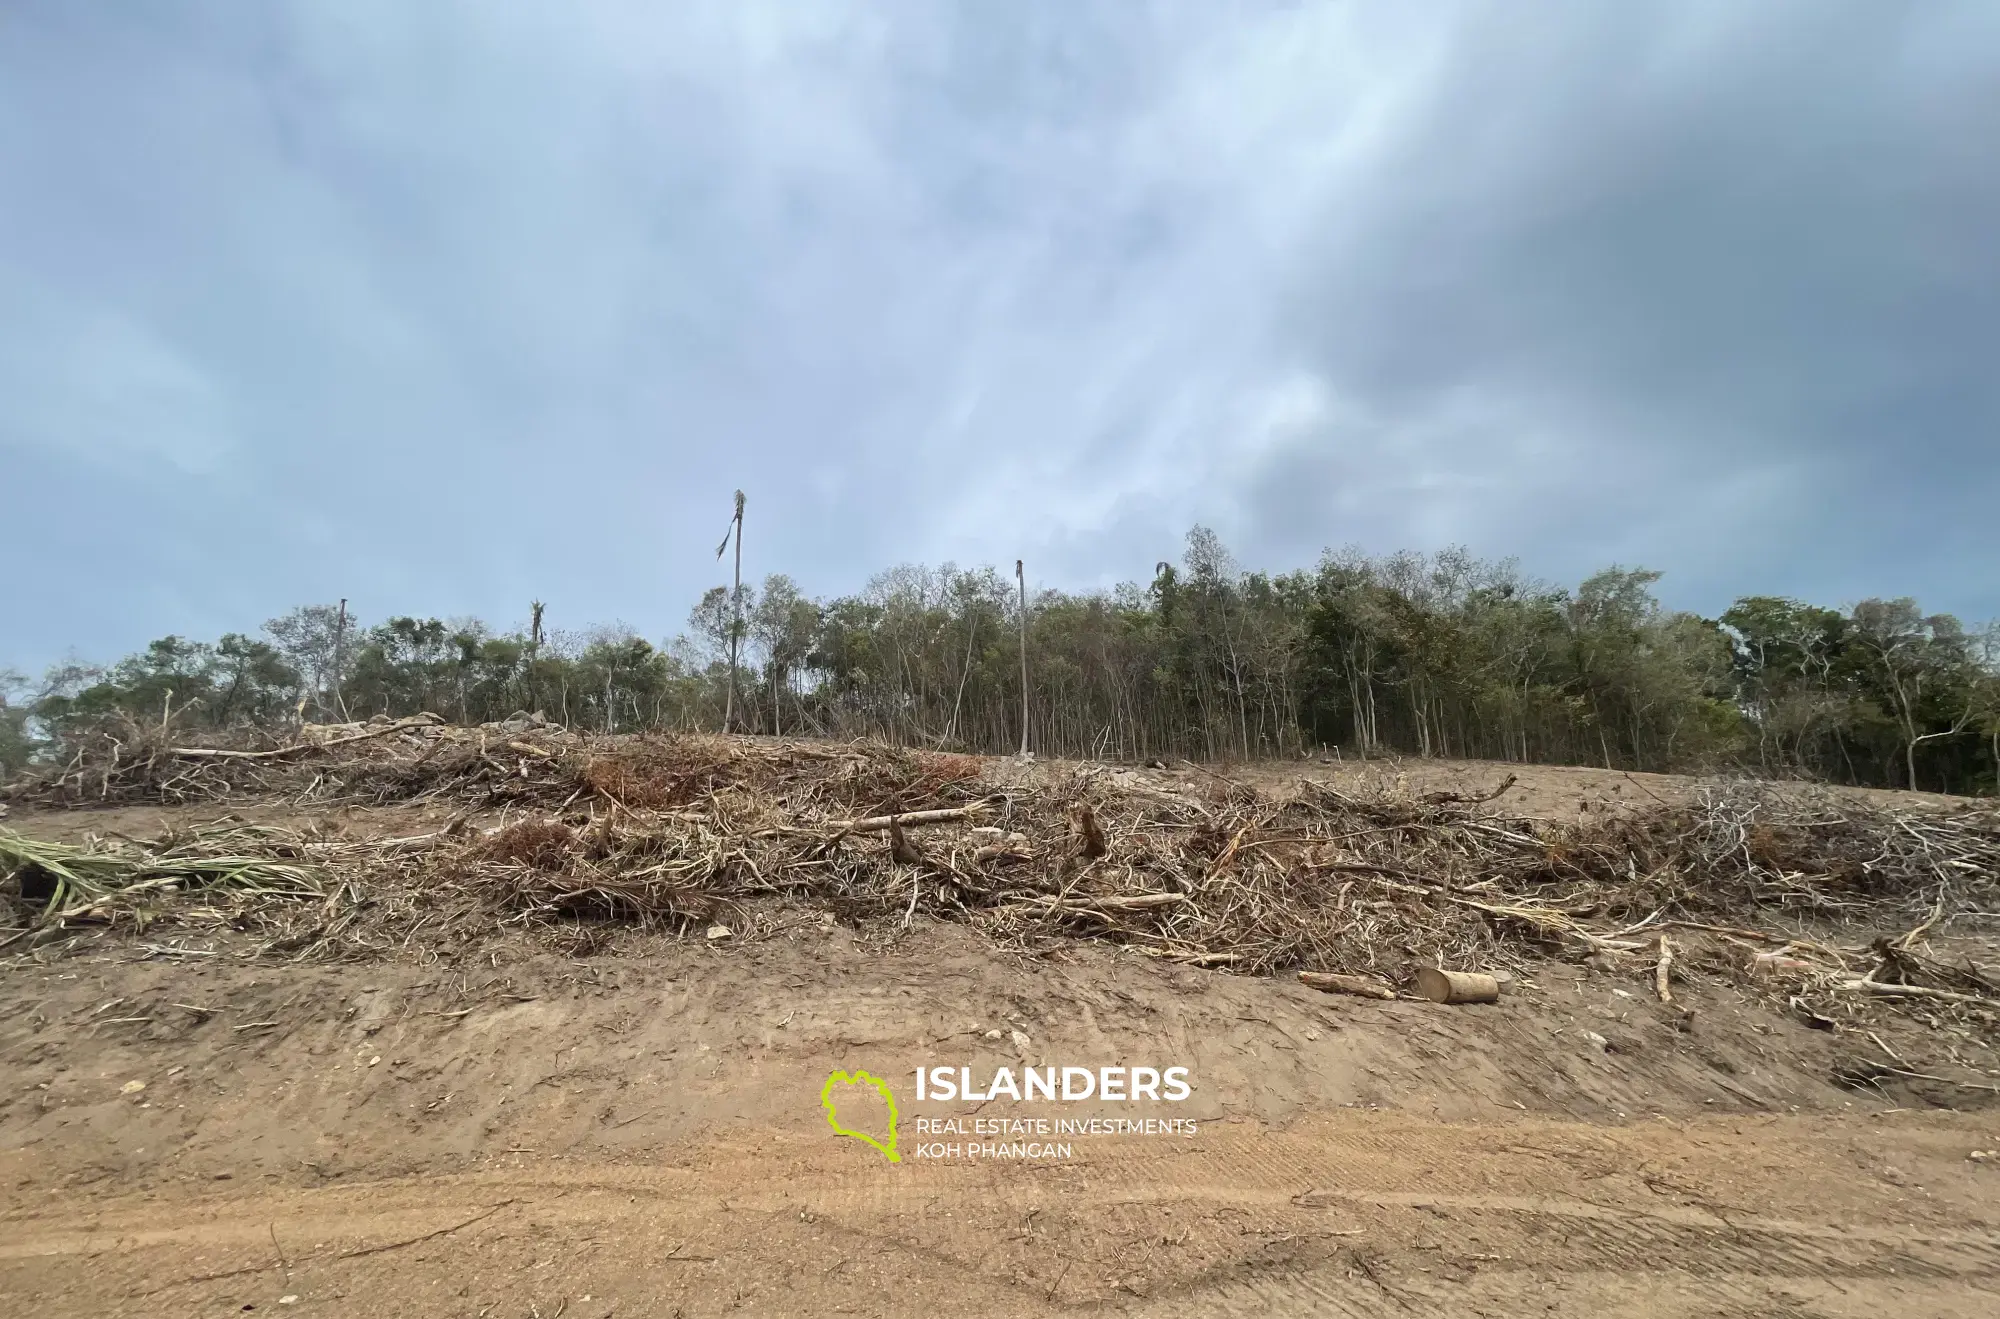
[1838, 908]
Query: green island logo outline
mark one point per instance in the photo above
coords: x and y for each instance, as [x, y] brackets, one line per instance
[881, 1088]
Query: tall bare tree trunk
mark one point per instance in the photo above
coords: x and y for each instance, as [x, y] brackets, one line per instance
[1021, 579]
[534, 650]
[735, 608]
[339, 646]
[971, 631]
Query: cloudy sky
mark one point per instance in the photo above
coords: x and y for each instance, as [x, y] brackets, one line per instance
[447, 306]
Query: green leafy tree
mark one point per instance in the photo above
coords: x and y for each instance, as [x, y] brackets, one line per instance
[1441, 654]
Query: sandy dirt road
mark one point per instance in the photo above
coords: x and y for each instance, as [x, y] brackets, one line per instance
[1361, 1214]
[490, 1127]
[642, 1136]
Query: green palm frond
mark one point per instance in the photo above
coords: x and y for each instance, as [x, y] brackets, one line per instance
[65, 879]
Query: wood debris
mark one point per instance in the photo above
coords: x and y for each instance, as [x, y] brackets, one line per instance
[1846, 907]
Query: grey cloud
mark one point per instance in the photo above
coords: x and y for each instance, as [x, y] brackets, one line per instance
[445, 307]
[1744, 289]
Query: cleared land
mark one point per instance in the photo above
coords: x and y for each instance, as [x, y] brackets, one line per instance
[511, 1073]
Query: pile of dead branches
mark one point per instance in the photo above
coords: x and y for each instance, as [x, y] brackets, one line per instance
[121, 762]
[1813, 896]
[1851, 899]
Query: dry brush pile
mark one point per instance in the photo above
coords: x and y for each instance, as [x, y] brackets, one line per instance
[1838, 907]
[121, 762]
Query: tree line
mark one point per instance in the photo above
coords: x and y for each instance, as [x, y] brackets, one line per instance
[1357, 656]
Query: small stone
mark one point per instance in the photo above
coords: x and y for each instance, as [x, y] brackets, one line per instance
[376, 1059]
[131, 1087]
[716, 932]
[993, 1034]
[288, 1300]
[1021, 1041]
[1980, 1156]
[1597, 1041]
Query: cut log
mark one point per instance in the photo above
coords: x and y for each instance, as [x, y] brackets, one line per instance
[1126, 902]
[299, 748]
[999, 854]
[1867, 986]
[875, 824]
[1333, 983]
[1457, 986]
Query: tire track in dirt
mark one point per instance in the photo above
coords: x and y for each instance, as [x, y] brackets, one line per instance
[1197, 1253]
[1278, 1187]
[1184, 1218]
[1347, 1290]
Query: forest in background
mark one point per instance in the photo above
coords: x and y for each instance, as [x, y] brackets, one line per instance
[1414, 654]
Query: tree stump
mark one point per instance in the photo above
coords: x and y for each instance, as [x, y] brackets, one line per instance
[1457, 986]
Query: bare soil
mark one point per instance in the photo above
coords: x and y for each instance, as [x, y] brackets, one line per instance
[1556, 792]
[508, 1131]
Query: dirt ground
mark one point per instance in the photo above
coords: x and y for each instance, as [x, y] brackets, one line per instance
[511, 1132]
[1555, 792]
